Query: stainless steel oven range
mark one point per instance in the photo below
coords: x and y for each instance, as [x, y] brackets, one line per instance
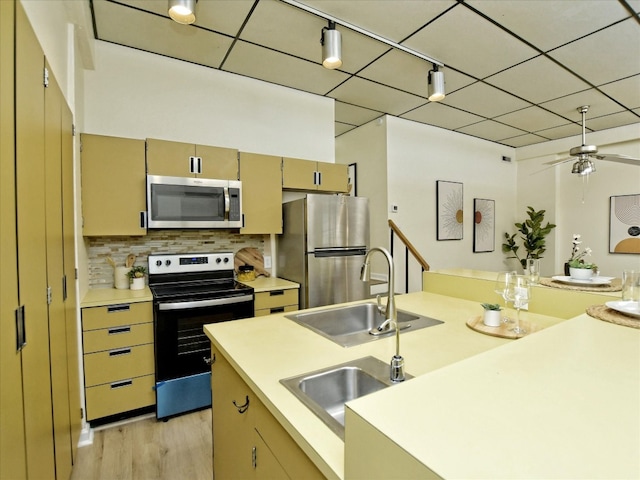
[190, 291]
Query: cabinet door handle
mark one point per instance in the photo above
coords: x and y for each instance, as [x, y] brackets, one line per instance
[119, 351]
[117, 330]
[143, 219]
[277, 310]
[122, 383]
[274, 293]
[319, 178]
[21, 333]
[242, 408]
[125, 307]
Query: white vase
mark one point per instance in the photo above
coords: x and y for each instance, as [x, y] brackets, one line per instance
[120, 277]
[492, 318]
[581, 273]
[137, 283]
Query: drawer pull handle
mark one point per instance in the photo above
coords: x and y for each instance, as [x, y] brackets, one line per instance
[242, 408]
[274, 293]
[120, 351]
[118, 308]
[123, 383]
[117, 330]
[277, 310]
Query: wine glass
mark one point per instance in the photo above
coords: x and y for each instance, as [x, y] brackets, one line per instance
[519, 292]
[502, 282]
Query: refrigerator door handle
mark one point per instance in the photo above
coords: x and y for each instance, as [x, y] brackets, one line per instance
[339, 251]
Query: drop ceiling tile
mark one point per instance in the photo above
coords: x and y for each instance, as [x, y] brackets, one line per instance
[538, 80]
[152, 33]
[626, 91]
[354, 115]
[613, 120]
[563, 131]
[288, 29]
[490, 130]
[268, 65]
[359, 91]
[484, 100]
[440, 115]
[604, 56]
[523, 140]
[341, 128]
[469, 43]
[224, 16]
[567, 107]
[415, 73]
[388, 18]
[531, 119]
[556, 21]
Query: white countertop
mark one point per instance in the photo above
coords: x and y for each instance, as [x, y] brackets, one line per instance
[267, 284]
[98, 297]
[266, 349]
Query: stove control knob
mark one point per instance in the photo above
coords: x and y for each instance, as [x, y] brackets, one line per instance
[158, 263]
[167, 262]
[218, 260]
[226, 259]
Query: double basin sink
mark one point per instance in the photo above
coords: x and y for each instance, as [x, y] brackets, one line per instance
[326, 391]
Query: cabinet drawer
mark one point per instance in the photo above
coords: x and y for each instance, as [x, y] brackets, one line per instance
[269, 311]
[112, 365]
[121, 396]
[107, 316]
[276, 298]
[117, 337]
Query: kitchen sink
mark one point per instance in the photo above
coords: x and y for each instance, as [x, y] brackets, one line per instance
[350, 325]
[326, 391]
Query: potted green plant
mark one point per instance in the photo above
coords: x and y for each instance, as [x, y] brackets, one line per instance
[492, 316]
[136, 277]
[579, 269]
[533, 235]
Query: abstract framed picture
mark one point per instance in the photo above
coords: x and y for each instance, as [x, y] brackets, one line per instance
[624, 224]
[484, 233]
[449, 212]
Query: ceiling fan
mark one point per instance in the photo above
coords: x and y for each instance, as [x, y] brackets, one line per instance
[584, 154]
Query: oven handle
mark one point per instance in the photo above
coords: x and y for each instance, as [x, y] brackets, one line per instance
[205, 303]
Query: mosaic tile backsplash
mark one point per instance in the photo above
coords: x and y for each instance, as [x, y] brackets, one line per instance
[157, 242]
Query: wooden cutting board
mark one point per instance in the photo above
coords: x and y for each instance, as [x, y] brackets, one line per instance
[251, 256]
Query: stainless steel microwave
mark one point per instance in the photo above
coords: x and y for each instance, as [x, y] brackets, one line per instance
[184, 202]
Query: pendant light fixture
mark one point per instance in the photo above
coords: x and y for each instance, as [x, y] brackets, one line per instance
[435, 89]
[183, 11]
[331, 42]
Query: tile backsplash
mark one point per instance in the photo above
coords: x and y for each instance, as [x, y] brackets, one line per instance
[159, 241]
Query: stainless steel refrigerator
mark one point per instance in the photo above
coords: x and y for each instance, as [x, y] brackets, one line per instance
[324, 241]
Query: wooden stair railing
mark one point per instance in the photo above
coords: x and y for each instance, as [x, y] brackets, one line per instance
[409, 248]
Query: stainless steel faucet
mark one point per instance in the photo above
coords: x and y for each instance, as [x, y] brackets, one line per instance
[390, 312]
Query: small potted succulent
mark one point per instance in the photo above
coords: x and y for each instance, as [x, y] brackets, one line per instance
[492, 314]
[578, 268]
[136, 277]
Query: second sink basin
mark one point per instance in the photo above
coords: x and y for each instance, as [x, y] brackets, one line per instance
[326, 391]
[350, 325]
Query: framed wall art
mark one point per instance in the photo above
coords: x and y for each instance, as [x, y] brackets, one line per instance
[449, 212]
[484, 234]
[624, 224]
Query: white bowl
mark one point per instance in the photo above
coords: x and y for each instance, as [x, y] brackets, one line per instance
[580, 273]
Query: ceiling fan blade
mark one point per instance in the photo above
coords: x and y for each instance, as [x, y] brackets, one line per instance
[612, 157]
[558, 162]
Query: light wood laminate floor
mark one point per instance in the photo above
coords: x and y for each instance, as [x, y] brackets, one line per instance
[147, 449]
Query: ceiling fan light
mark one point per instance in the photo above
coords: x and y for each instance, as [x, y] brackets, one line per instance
[331, 41]
[183, 11]
[435, 89]
[576, 168]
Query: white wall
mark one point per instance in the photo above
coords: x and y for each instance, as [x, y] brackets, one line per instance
[575, 204]
[140, 95]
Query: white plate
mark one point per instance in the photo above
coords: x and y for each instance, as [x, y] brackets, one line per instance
[626, 306]
[593, 281]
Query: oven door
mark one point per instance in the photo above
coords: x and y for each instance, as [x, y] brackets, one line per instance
[183, 351]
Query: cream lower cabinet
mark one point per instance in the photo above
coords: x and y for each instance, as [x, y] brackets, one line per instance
[276, 301]
[298, 174]
[248, 442]
[118, 358]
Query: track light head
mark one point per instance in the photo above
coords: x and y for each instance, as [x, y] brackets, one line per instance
[183, 11]
[436, 89]
[331, 42]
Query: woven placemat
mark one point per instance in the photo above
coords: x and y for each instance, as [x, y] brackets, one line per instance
[614, 286]
[602, 312]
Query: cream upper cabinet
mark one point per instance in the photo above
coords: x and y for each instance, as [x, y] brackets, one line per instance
[261, 193]
[298, 174]
[176, 159]
[113, 186]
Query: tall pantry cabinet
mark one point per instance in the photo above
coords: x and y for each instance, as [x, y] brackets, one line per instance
[40, 419]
